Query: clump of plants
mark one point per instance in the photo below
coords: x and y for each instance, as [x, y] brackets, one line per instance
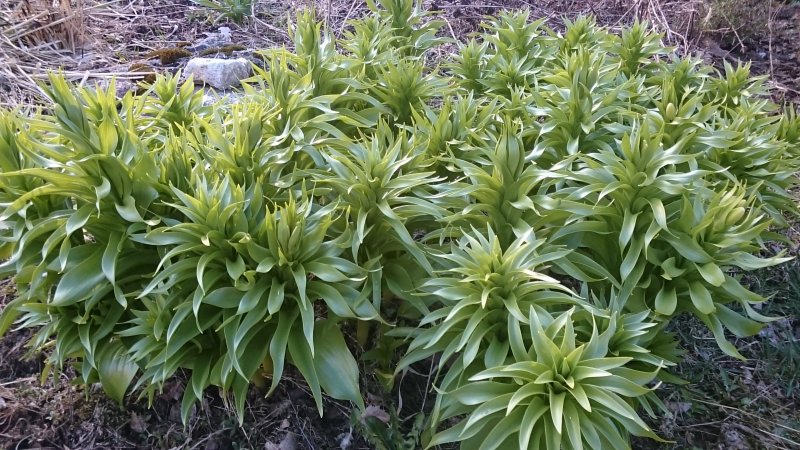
[234, 10]
[530, 212]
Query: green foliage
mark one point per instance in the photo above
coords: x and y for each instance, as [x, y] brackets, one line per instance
[389, 435]
[234, 10]
[531, 214]
[559, 393]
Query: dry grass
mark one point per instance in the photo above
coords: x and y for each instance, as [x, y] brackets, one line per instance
[36, 35]
[91, 40]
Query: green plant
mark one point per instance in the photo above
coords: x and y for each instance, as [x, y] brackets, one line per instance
[234, 10]
[673, 239]
[389, 435]
[485, 297]
[529, 215]
[559, 393]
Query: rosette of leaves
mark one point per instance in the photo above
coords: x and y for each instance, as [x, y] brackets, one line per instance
[585, 101]
[497, 183]
[294, 118]
[504, 189]
[234, 10]
[14, 138]
[677, 92]
[481, 301]
[744, 150]
[789, 126]
[634, 335]
[412, 31]
[737, 87]
[710, 236]
[558, 392]
[501, 187]
[668, 235]
[367, 43]
[747, 143]
[76, 184]
[455, 129]
[170, 106]
[639, 50]
[245, 143]
[469, 66]
[245, 287]
[518, 51]
[383, 187]
[583, 34]
[316, 58]
[405, 87]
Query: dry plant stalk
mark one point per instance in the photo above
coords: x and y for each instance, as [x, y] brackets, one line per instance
[36, 34]
[50, 23]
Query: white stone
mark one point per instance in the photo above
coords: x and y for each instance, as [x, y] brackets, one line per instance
[218, 73]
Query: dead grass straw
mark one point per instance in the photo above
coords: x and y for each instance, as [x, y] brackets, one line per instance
[36, 35]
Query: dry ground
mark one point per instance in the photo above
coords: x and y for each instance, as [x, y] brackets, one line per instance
[726, 404]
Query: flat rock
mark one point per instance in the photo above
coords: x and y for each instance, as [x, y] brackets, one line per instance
[218, 73]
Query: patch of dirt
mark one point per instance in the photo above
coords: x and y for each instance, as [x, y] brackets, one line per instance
[15, 362]
[60, 415]
[57, 414]
[773, 50]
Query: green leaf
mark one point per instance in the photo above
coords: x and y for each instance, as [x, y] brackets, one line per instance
[128, 211]
[278, 344]
[666, 301]
[335, 365]
[701, 298]
[740, 326]
[557, 409]
[235, 268]
[480, 391]
[116, 371]
[628, 226]
[78, 219]
[187, 401]
[711, 273]
[226, 297]
[498, 435]
[714, 324]
[252, 297]
[9, 314]
[302, 358]
[110, 254]
[572, 420]
[79, 281]
[687, 247]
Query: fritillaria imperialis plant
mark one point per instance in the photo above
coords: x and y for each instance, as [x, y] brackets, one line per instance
[527, 213]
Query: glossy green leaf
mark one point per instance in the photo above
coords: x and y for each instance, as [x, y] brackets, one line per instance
[666, 301]
[116, 371]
